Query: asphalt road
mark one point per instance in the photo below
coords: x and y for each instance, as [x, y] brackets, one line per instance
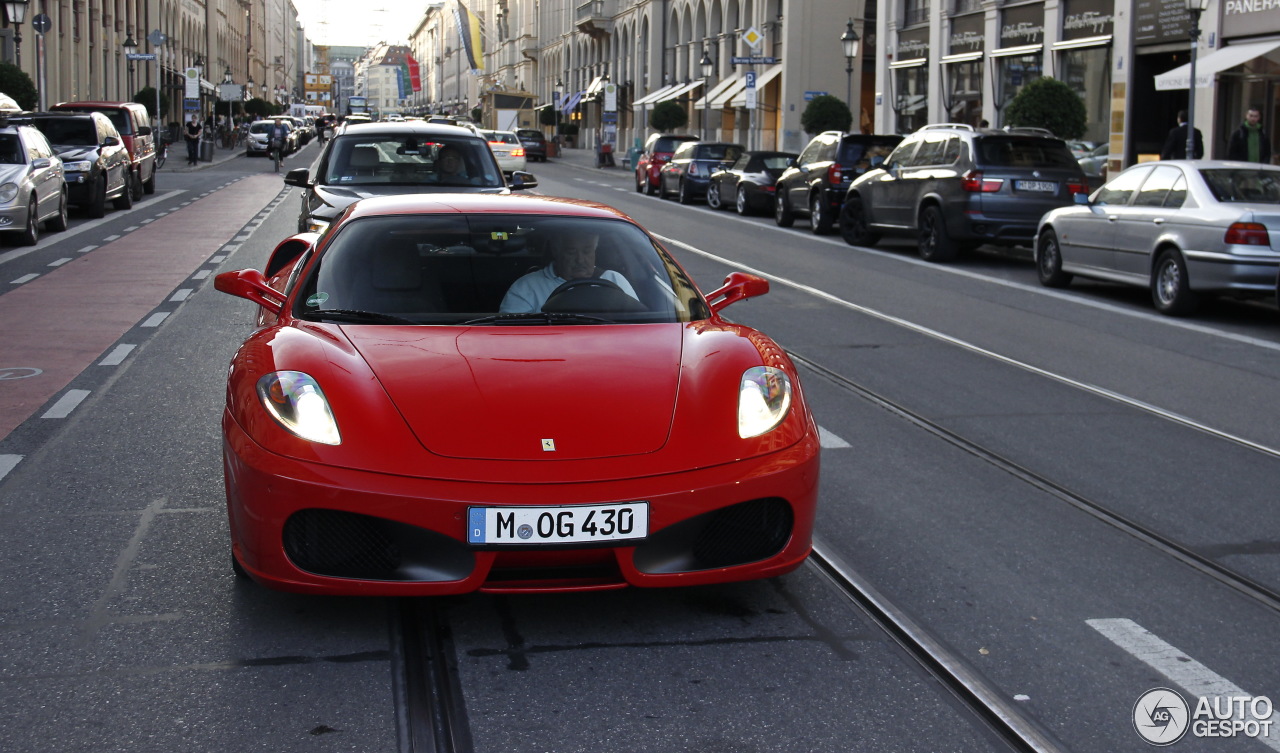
[995, 402]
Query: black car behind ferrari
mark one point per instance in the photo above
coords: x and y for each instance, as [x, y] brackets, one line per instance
[748, 184]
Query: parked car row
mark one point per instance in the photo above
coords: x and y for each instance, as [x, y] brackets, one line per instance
[1183, 229]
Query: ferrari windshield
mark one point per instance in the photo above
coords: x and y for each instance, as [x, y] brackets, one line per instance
[495, 270]
[399, 159]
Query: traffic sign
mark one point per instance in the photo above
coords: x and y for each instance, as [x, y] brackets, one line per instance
[751, 79]
[41, 23]
[157, 38]
[752, 37]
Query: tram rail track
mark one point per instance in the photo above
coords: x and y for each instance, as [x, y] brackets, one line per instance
[431, 715]
[1241, 583]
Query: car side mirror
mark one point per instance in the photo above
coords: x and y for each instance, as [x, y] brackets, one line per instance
[41, 163]
[738, 286]
[1080, 198]
[111, 141]
[521, 180]
[300, 177]
[144, 131]
[251, 285]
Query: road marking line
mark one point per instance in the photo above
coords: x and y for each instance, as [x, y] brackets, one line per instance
[110, 238]
[181, 295]
[830, 441]
[59, 262]
[937, 335]
[1194, 677]
[201, 274]
[217, 259]
[131, 228]
[66, 404]
[24, 278]
[155, 319]
[117, 355]
[8, 463]
[86, 249]
[148, 221]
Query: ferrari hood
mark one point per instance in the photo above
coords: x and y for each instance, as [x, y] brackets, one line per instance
[530, 393]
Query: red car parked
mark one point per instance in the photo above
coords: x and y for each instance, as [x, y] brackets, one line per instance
[134, 124]
[658, 149]
[417, 413]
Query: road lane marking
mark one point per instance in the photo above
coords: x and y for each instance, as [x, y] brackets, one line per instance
[181, 295]
[218, 259]
[59, 262]
[117, 355]
[155, 319]
[131, 228]
[111, 238]
[830, 441]
[8, 463]
[86, 249]
[1191, 675]
[66, 404]
[24, 278]
[201, 274]
[937, 335]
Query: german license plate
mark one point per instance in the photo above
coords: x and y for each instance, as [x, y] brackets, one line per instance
[1042, 186]
[576, 524]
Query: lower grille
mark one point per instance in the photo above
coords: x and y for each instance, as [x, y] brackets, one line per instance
[736, 535]
[349, 545]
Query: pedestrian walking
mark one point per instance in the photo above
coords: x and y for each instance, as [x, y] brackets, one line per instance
[194, 129]
[1175, 144]
[1249, 142]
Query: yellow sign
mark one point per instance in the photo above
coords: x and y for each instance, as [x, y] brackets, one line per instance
[752, 37]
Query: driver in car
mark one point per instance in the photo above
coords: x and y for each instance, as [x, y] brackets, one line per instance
[574, 258]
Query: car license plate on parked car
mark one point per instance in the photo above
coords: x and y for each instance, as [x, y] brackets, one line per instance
[558, 525]
[1042, 186]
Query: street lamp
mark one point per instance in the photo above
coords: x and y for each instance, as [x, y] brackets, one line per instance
[555, 98]
[1195, 8]
[708, 66]
[226, 81]
[17, 10]
[130, 49]
[851, 42]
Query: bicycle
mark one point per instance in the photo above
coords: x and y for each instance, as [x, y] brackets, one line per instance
[276, 156]
[162, 153]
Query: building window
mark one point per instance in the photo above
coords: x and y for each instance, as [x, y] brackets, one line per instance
[1015, 72]
[1087, 70]
[966, 6]
[911, 97]
[964, 92]
[915, 12]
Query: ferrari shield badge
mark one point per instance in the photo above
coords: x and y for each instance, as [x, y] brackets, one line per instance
[548, 445]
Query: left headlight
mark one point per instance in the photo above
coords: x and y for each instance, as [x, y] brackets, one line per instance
[764, 397]
[295, 401]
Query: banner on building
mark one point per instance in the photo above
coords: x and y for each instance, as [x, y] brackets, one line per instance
[415, 73]
[470, 38]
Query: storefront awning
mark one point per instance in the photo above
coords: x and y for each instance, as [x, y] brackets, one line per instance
[1207, 66]
[597, 83]
[721, 100]
[716, 91]
[571, 101]
[678, 91]
[769, 74]
[652, 96]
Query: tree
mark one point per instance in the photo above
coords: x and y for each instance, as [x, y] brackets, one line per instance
[260, 107]
[17, 84]
[547, 116]
[1048, 103]
[826, 113]
[668, 116]
[147, 98]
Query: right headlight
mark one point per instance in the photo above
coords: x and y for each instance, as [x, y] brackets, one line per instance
[8, 192]
[764, 398]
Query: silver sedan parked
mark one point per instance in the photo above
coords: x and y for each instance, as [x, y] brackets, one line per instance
[1181, 228]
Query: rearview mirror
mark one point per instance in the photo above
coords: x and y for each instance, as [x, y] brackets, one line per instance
[1080, 198]
[300, 177]
[521, 180]
[250, 285]
[738, 286]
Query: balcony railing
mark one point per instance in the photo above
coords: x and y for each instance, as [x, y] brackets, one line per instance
[595, 17]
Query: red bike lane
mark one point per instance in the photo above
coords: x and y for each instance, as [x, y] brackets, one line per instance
[61, 323]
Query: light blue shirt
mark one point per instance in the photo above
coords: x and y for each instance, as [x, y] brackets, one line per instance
[528, 293]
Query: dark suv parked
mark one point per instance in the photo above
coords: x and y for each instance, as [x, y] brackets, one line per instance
[535, 144]
[956, 188]
[816, 184]
[658, 148]
[95, 162]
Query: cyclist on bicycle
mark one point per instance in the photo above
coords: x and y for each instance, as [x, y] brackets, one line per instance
[279, 133]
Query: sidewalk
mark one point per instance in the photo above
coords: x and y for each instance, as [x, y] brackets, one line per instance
[585, 159]
[177, 161]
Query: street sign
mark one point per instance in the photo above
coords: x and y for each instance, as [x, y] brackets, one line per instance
[751, 90]
[41, 23]
[191, 105]
[752, 37]
[157, 38]
[808, 96]
[753, 60]
[140, 55]
[751, 79]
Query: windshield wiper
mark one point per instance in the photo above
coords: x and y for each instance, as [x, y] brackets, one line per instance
[539, 317]
[358, 317]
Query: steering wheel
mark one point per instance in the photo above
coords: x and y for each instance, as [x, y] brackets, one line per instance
[590, 295]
